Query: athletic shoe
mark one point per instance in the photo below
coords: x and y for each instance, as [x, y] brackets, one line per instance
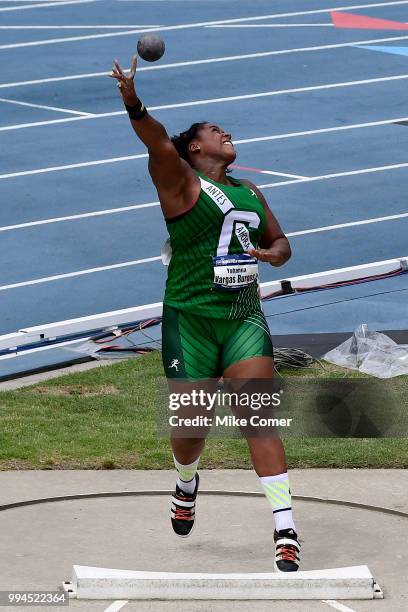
[287, 551]
[183, 510]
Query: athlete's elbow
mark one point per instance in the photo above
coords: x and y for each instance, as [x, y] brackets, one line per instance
[285, 250]
[288, 251]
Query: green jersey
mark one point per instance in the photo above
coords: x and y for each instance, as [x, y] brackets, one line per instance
[210, 273]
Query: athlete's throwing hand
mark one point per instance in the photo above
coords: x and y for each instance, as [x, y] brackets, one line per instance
[126, 83]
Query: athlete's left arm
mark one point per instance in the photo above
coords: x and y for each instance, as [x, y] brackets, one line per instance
[275, 247]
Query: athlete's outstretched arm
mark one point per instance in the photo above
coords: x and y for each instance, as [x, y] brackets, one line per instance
[175, 181]
[275, 247]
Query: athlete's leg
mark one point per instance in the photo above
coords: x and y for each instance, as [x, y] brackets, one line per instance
[188, 442]
[267, 453]
[191, 362]
[189, 353]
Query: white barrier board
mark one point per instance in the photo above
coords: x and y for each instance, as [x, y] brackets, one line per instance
[338, 583]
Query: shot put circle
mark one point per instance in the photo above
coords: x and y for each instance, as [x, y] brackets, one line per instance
[150, 48]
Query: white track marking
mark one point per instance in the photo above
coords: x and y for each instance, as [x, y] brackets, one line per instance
[97, 213]
[43, 4]
[97, 162]
[116, 606]
[337, 606]
[275, 25]
[52, 108]
[213, 60]
[258, 171]
[73, 27]
[47, 279]
[113, 160]
[53, 41]
[325, 177]
[188, 25]
[264, 94]
[329, 228]
[295, 176]
[339, 128]
[335, 8]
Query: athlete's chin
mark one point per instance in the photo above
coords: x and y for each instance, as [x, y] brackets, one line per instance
[231, 157]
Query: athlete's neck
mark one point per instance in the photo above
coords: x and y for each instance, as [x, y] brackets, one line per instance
[214, 171]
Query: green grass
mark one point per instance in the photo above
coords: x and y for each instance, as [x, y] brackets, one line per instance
[105, 418]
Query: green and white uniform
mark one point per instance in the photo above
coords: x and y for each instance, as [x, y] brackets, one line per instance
[211, 296]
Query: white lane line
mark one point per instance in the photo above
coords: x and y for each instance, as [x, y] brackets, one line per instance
[329, 228]
[52, 108]
[189, 25]
[74, 27]
[337, 606]
[275, 25]
[47, 279]
[43, 4]
[53, 41]
[263, 94]
[325, 177]
[295, 176]
[339, 128]
[258, 171]
[227, 58]
[299, 178]
[97, 162]
[275, 15]
[97, 213]
[116, 606]
[112, 160]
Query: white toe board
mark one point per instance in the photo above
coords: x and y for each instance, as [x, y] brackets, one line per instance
[338, 583]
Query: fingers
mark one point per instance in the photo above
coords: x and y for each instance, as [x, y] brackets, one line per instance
[256, 254]
[133, 66]
[117, 72]
[118, 67]
[264, 255]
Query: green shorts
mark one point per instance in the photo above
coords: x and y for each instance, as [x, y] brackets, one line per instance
[203, 347]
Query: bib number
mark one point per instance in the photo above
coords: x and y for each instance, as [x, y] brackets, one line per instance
[234, 272]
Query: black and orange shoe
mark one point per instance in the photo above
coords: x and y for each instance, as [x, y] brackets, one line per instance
[183, 510]
[287, 550]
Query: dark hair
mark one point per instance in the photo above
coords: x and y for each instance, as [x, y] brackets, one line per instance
[182, 141]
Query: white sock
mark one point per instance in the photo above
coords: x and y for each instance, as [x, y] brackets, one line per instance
[277, 491]
[186, 475]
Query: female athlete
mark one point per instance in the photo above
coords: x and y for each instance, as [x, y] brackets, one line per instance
[213, 324]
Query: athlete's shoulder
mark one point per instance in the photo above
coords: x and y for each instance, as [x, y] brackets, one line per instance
[254, 190]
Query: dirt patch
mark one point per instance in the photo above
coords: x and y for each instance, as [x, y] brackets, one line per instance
[82, 390]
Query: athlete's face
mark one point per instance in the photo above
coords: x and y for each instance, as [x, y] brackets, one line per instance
[212, 141]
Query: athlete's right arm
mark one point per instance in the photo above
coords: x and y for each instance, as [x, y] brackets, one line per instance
[177, 184]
